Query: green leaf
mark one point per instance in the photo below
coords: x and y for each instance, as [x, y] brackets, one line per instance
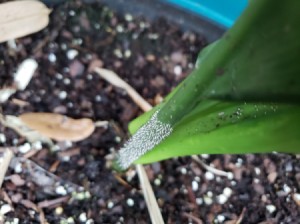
[217, 127]
[251, 75]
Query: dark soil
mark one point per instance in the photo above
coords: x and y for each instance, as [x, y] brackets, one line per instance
[152, 56]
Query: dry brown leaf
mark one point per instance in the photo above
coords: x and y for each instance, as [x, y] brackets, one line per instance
[20, 18]
[22, 129]
[59, 127]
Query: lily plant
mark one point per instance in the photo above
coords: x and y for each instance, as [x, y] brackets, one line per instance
[242, 97]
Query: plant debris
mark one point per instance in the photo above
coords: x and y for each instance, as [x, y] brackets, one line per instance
[22, 129]
[20, 18]
[59, 127]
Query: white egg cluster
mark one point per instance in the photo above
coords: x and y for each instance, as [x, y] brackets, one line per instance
[145, 139]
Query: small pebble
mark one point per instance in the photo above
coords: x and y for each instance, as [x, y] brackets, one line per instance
[230, 175]
[208, 200]
[70, 105]
[24, 148]
[118, 139]
[67, 81]
[195, 185]
[6, 208]
[127, 53]
[118, 53]
[62, 95]
[71, 54]
[77, 41]
[185, 191]
[183, 170]
[177, 70]
[87, 194]
[209, 175]
[199, 201]
[128, 17]
[286, 188]
[289, 167]
[110, 204]
[15, 141]
[18, 167]
[120, 29]
[97, 26]
[221, 218]
[205, 156]
[135, 36]
[227, 192]
[257, 171]
[59, 210]
[209, 194]
[72, 13]
[98, 98]
[222, 199]
[256, 180]
[157, 182]
[142, 25]
[52, 57]
[61, 190]
[82, 217]
[63, 46]
[150, 57]
[37, 145]
[153, 36]
[233, 183]
[197, 178]
[239, 162]
[89, 77]
[66, 69]
[90, 221]
[271, 208]
[59, 76]
[70, 220]
[130, 202]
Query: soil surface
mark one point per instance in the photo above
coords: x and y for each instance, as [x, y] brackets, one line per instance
[153, 57]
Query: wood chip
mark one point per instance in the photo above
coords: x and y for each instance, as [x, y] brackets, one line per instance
[115, 80]
[53, 202]
[24, 73]
[20, 103]
[16, 179]
[272, 177]
[296, 198]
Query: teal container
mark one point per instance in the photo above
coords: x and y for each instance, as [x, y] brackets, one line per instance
[221, 12]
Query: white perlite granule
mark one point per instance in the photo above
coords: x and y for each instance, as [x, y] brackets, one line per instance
[148, 136]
